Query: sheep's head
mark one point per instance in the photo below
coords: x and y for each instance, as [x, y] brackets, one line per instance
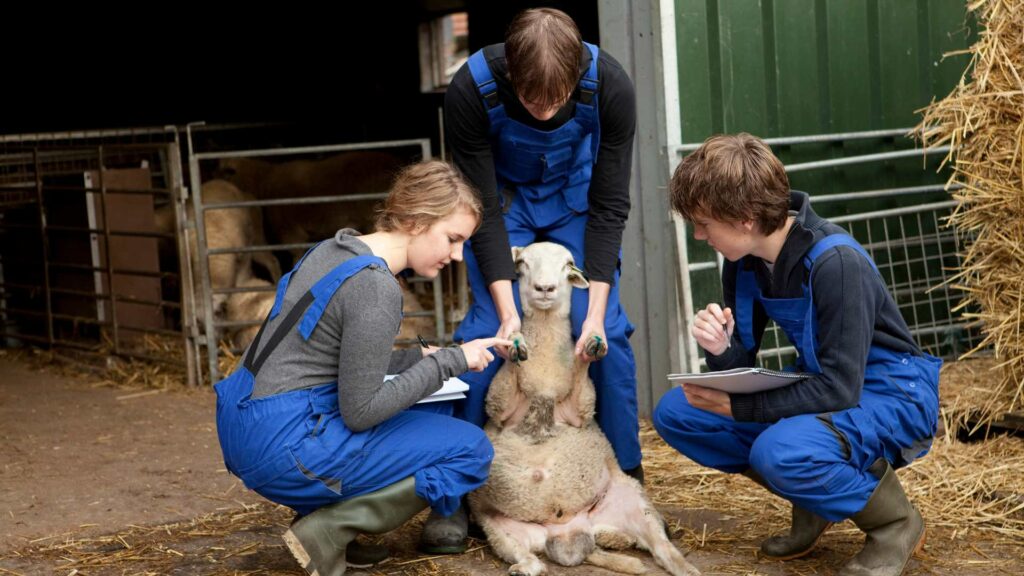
[547, 275]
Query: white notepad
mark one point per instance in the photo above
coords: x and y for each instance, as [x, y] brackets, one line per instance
[740, 380]
[452, 389]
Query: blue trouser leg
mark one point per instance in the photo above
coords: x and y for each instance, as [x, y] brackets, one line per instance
[294, 449]
[448, 457]
[800, 458]
[819, 463]
[614, 376]
[705, 437]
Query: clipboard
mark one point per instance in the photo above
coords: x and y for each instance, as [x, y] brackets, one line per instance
[741, 380]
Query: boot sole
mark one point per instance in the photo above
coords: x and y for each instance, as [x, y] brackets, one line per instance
[440, 550]
[803, 552]
[299, 552]
[919, 549]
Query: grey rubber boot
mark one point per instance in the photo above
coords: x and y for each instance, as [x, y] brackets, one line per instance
[319, 540]
[894, 528]
[443, 535]
[805, 531]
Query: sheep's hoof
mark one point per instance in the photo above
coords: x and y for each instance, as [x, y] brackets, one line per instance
[519, 351]
[596, 347]
[528, 567]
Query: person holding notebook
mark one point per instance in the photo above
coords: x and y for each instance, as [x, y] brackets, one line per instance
[308, 422]
[829, 443]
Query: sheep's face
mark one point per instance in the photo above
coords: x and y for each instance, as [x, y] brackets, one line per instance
[547, 275]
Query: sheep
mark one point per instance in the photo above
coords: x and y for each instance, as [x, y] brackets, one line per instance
[249, 306]
[225, 228]
[357, 172]
[555, 485]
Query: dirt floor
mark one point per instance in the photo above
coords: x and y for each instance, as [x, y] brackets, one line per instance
[100, 480]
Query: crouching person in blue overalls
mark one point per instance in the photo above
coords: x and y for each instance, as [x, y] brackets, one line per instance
[543, 127]
[829, 443]
[308, 421]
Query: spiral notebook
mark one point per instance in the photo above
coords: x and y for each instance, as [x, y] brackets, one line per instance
[452, 389]
[741, 380]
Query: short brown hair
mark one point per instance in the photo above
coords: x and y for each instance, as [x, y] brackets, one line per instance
[424, 193]
[732, 178]
[542, 48]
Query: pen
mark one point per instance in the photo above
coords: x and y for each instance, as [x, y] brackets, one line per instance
[728, 339]
[423, 342]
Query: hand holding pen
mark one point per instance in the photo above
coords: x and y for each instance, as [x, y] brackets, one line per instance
[713, 328]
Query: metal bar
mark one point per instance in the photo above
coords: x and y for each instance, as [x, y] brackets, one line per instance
[203, 255]
[910, 271]
[109, 250]
[246, 289]
[122, 271]
[25, 312]
[690, 353]
[699, 266]
[128, 233]
[91, 295]
[894, 212]
[924, 263]
[187, 241]
[883, 193]
[819, 138]
[297, 201]
[257, 248]
[175, 182]
[314, 150]
[860, 159]
[82, 134]
[150, 330]
[46, 248]
[126, 191]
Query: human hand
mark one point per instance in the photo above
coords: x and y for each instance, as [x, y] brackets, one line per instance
[713, 328]
[593, 344]
[477, 354]
[510, 326]
[708, 399]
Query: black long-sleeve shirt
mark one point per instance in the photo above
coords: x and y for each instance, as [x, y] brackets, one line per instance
[854, 309]
[467, 125]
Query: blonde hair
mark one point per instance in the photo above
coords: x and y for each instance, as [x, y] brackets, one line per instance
[424, 193]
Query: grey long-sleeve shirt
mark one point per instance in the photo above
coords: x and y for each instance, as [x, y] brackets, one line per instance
[352, 343]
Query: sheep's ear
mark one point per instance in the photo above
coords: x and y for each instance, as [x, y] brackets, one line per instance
[516, 251]
[576, 277]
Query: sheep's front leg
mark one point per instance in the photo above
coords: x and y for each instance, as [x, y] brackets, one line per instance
[506, 404]
[515, 542]
[577, 408]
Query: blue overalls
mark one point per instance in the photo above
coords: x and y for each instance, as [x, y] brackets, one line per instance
[548, 174]
[294, 449]
[817, 461]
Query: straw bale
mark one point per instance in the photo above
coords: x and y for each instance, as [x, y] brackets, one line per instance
[981, 120]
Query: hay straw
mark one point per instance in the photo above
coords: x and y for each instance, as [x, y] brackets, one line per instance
[981, 120]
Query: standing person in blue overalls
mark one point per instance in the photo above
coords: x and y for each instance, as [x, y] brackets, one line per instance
[828, 444]
[308, 422]
[543, 126]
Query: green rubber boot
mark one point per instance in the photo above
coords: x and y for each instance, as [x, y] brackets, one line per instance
[319, 540]
[805, 531]
[894, 528]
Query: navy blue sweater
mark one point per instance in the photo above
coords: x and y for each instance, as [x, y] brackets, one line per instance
[854, 309]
